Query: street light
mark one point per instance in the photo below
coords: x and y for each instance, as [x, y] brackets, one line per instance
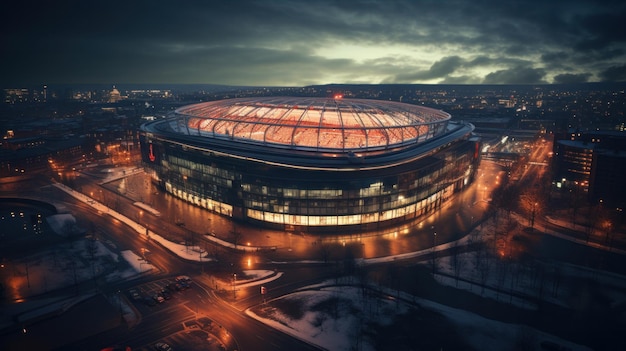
[234, 285]
[433, 249]
[533, 211]
[607, 226]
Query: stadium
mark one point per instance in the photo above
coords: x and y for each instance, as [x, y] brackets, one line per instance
[311, 164]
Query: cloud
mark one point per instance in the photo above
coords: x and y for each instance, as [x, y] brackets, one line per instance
[460, 80]
[293, 42]
[567, 78]
[445, 66]
[439, 69]
[614, 74]
[602, 30]
[519, 75]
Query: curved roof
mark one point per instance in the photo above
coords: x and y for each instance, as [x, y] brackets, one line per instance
[321, 124]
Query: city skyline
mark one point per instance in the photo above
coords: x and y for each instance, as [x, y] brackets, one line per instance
[297, 43]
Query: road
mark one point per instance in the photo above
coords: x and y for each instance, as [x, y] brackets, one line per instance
[171, 320]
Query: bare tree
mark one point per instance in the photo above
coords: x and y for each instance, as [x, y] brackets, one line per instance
[483, 264]
[603, 221]
[235, 235]
[507, 199]
[532, 203]
[324, 252]
[68, 230]
[457, 261]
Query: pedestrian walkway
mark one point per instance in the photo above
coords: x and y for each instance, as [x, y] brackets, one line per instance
[577, 228]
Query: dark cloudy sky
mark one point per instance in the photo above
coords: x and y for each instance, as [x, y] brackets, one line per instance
[302, 42]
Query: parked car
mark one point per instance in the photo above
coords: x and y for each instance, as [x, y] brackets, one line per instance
[173, 287]
[134, 294]
[149, 301]
[183, 278]
[158, 298]
[166, 294]
[161, 346]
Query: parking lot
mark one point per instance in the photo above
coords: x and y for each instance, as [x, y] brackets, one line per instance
[159, 292]
[195, 334]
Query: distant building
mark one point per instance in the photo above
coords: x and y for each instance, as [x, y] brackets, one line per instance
[27, 155]
[114, 95]
[12, 96]
[594, 161]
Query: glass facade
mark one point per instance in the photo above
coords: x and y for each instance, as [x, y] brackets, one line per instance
[311, 199]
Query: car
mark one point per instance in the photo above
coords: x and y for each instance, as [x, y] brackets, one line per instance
[183, 278]
[173, 287]
[149, 301]
[158, 298]
[166, 294]
[161, 346]
[134, 294]
[205, 322]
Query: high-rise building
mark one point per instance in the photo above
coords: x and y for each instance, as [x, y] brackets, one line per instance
[594, 161]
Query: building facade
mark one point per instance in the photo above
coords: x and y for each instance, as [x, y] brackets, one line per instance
[595, 162]
[311, 164]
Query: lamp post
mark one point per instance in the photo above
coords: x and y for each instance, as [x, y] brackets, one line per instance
[532, 215]
[607, 226]
[27, 276]
[234, 285]
[433, 249]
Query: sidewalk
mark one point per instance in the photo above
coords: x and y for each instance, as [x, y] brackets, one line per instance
[563, 223]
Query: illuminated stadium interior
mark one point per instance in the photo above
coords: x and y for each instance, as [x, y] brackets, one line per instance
[314, 123]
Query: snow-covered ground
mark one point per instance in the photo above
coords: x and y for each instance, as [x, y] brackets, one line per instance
[335, 317]
[344, 318]
[351, 324]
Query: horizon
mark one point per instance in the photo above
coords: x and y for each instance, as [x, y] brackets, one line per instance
[129, 85]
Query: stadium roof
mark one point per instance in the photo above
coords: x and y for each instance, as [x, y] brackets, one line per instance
[321, 124]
